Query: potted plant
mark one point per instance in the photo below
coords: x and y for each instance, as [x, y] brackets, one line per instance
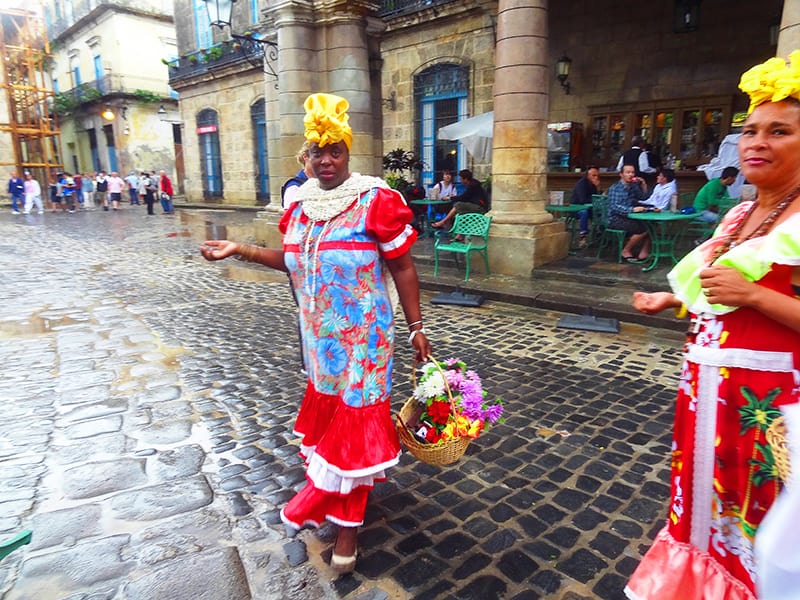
[398, 163]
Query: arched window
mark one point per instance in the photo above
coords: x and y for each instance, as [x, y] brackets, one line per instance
[210, 159]
[258, 119]
[440, 95]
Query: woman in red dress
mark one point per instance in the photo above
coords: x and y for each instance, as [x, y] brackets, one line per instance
[742, 361]
[346, 246]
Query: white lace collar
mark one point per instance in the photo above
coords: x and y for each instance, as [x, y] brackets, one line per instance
[323, 205]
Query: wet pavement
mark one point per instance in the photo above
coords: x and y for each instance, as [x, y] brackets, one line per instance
[148, 399]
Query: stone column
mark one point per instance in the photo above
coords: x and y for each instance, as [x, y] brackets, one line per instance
[345, 69]
[523, 233]
[322, 47]
[789, 37]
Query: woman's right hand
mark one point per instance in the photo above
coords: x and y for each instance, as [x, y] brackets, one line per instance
[655, 302]
[218, 249]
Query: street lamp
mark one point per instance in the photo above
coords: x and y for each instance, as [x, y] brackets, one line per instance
[257, 51]
[562, 72]
[219, 12]
[107, 113]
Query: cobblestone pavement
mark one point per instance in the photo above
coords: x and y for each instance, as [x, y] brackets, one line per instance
[148, 399]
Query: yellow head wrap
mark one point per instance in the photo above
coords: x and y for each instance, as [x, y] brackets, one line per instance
[772, 81]
[326, 120]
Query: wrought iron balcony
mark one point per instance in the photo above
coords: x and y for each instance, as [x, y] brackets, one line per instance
[206, 60]
[141, 88]
[397, 8]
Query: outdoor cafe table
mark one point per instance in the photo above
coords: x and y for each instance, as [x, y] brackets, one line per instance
[431, 204]
[663, 233]
[568, 212]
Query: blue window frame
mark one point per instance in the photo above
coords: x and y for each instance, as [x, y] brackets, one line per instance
[210, 157]
[258, 118]
[440, 94]
[76, 75]
[202, 26]
[56, 88]
[97, 62]
[108, 131]
[253, 11]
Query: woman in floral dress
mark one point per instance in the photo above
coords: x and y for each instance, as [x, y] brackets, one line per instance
[346, 245]
[742, 361]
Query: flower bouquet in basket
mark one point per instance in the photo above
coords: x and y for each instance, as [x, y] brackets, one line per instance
[446, 412]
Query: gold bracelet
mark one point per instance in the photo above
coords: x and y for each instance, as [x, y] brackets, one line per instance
[247, 252]
[681, 311]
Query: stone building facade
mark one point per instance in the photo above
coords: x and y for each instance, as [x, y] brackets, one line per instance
[110, 81]
[666, 70]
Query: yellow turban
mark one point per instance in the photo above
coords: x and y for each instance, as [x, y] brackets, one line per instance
[326, 120]
[772, 81]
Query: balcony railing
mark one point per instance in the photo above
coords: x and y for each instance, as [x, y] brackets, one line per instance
[205, 60]
[397, 8]
[147, 89]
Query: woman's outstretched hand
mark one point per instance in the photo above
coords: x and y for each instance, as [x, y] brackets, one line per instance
[655, 302]
[218, 249]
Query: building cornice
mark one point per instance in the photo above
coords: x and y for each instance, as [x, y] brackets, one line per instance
[93, 17]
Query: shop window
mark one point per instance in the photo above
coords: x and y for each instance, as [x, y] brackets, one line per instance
[689, 130]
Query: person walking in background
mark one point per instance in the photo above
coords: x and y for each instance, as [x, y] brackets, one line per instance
[55, 191]
[67, 192]
[165, 192]
[78, 186]
[337, 235]
[289, 188]
[115, 186]
[148, 188]
[582, 193]
[16, 190]
[742, 360]
[133, 187]
[33, 194]
[87, 186]
[101, 189]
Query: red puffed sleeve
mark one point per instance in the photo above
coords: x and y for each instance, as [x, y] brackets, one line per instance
[389, 221]
[283, 224]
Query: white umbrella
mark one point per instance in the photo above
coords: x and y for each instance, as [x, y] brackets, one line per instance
[475, 133]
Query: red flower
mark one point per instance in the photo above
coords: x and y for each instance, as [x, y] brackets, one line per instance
[431, 436]
[439, 412]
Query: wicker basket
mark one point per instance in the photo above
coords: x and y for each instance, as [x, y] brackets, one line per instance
[776, 438]
[442, 453]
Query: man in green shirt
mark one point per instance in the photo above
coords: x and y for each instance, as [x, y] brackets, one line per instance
[708, 199]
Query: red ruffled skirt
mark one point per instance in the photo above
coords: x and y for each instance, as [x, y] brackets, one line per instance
[346, 450]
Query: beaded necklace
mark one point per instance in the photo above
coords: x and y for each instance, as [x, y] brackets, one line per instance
[733, 237]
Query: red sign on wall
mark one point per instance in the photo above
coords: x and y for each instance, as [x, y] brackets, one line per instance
[206, 129]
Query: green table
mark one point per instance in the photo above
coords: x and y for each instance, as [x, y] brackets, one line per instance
[569, 214]
[430, 203]
[663, 233]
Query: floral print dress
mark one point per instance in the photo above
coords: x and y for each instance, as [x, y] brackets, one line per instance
[741, 367]
[348, 436]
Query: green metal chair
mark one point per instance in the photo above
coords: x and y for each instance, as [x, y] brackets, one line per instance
[9, 546]
[470, 233]
[604, 233]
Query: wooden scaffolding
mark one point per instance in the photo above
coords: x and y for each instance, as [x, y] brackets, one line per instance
[28, 118]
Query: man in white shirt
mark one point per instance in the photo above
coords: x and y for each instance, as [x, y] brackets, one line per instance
[115, 185]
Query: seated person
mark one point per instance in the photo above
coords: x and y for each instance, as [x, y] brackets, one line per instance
[473, 200]
[623, 196]
[445, 189]
[582, 194]
[663, 191]
[707, 200]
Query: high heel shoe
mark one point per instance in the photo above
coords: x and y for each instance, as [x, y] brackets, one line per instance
[343, 564]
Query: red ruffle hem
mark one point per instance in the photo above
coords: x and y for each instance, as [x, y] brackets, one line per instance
[346, 450]
[673, 570]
